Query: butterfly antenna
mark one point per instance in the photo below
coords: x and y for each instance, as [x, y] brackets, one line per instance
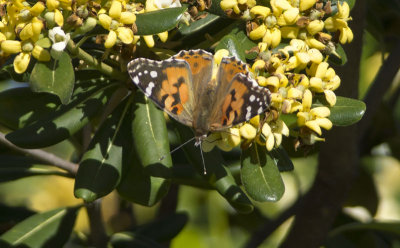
[177, 148]
[202, 159]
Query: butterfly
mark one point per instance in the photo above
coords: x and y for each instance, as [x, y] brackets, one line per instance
[188, 89]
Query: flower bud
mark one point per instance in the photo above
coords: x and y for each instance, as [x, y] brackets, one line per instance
[111, 39]
[115, 9]
[247, 131]
[313, 125]
[320, 112]
[315, 26]
[127, 18]
[316, 84]
[259, 64]
[255, 121]
[306, 4]
[37, 9]
[219, 55]
[313, 43]
[315, 55]
[11, 46]
[258, 33]
[321, 70]
[273, 81]
[40, 53]
[260, 11]
[125, 35]
[21, 62]
[307, 100]
[325, 123]
[330, 97]
[270, 142]
[163, 36]
[266, 130]
[149, 40]
[26, 32]
[58, 18]
[227, 4]
[291, 15]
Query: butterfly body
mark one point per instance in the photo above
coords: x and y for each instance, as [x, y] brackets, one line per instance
[186, 87]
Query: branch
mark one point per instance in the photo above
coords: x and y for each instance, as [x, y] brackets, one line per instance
[98, 235]
[43, 156]
[90, 60]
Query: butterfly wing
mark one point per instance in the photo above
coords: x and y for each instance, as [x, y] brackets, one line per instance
[201, 66]
[239, 96]
[168, 83]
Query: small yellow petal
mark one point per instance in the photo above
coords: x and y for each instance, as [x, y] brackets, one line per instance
[232, 136]
[219, 55]
[294, 93]
[115, 9]
[307, 99]
[289, 32]
[270, 142]
[26, 32]
[260, 11]
[58, 18]
[321, 70]
[262, 81]
[149, 40]
[273, 81]
[127, 17]
[105, 21]
[258, 33]
[11, 46]
[255, 121]
[330, 97]
[276, 37]
[52, 4]
[278, 139]
[315, 55]
[306, 4]
[37, 9]
[227, 4]
[325, 123]
[320, 112]
[334, 83]
[316, 84]
[266, 130]
[302, 118]
[247, 131]
[125, 35]
[313, 125]
[313, 43]
[163, 36]
[111, 39]
[21, 62]
[259, 64]
[315, 26]
[291, 15]
[41, 54]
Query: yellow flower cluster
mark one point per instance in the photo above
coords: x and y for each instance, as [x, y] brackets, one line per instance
[294, 74]
[113, 17]
[20, 29]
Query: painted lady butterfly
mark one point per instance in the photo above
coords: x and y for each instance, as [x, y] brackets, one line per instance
[184, 87]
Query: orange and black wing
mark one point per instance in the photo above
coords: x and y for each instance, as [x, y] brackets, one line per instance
[201, 66]
[168, 83]
[239, 97]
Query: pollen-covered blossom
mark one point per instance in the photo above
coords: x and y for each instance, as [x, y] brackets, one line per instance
[114, 16]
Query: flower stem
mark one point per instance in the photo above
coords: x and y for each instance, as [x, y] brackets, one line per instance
[90, 60]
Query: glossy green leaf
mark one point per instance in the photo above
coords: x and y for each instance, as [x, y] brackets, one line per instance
[100, 169]
[161, 231]
[230, 43]
[390, 227]
[218, 176]
[21, 106]
[49, 229]
[260, 175]
[282, 159]
[16, 167]
[198, 25]
[145, 180]
[149, 23]
[55, 77]
[340, 58]
[216, 9]
[346, 111]
[65, 120]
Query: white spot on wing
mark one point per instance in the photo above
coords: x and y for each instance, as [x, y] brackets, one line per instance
[149, 89]
[153, 74]
[260, 110]
[136, 79]
[248, 113]
[252, 98]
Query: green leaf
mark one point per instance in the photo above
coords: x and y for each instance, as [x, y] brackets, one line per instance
[147, 23]
[100, 169]
[26, 106]
[16, 167]
[260, 175]
[7, 72]
[390, 227]
[218, 176]
[48, 229]
[282, 159]
[65, 120]
[340, 58]
[55, 77]
[128, 239]
[162, 231]
[198, 25]
[231, 43]
[145, 181]
[216, 9]
[346, 111]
